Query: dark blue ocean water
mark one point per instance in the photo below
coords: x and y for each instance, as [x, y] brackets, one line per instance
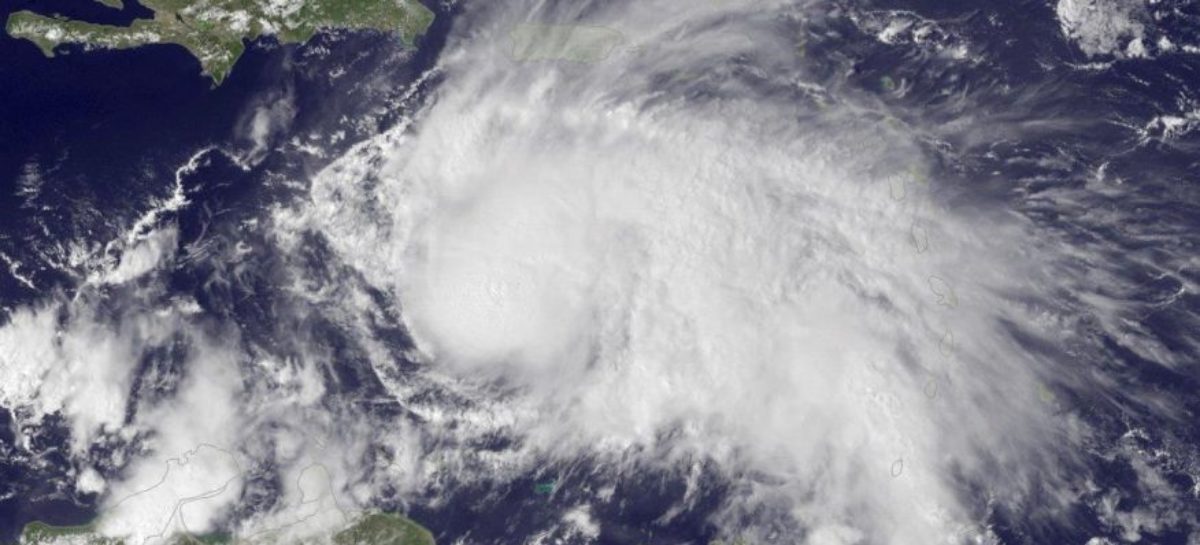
[90, 139]
[106, 130]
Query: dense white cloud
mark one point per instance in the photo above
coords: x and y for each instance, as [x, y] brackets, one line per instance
[194, 472]
[1103, 27]
[1127, 29]
[644, 258]
[64, 358]
[784, 295]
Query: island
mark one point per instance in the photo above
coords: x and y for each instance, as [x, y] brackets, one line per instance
[366, 529]
[214, 31]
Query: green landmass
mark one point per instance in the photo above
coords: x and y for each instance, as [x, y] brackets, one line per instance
[214, 30]
[368, 529]
[207, 539]
[738, 541]
[384, 529]
[40, 533]
[545, 488]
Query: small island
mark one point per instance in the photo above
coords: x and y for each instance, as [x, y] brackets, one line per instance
[367, 529]
[214, 31]
[40, 533]
[383, 529]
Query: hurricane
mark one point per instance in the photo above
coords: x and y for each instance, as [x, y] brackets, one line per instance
[719, 271]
